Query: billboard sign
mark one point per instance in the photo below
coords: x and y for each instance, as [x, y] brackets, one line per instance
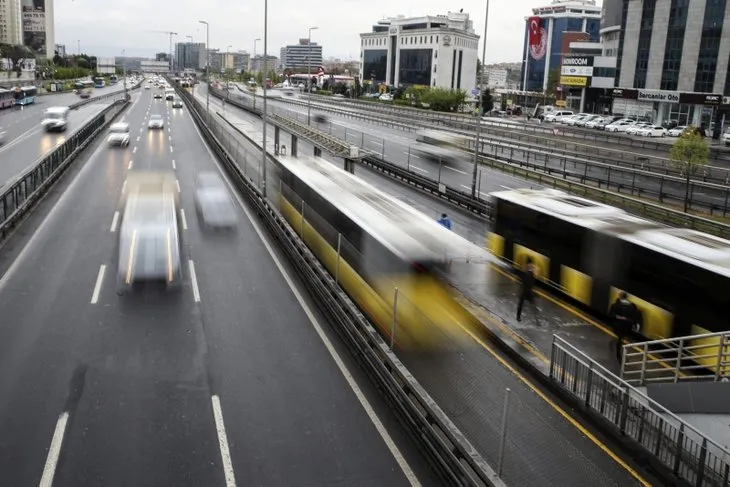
[573, 81]
[537, 38]
[577, 61]
[34, 26]
[576, 71]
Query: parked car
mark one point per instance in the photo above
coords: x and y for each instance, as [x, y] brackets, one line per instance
[620, 125]
[593, 123]
[676, 131]
[651, 131]
[636, 127]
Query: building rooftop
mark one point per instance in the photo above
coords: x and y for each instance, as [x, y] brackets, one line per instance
[458, 21]
[562, 7]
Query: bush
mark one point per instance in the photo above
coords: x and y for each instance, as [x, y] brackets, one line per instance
[71, 73]
[322, 92]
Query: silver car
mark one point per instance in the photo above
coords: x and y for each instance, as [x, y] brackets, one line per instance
[118, 135]
[177, 103]
[156, 122]
[213, 203]
[149, 239]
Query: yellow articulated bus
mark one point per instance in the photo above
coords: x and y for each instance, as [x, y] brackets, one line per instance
[589, 252]
[382, 244]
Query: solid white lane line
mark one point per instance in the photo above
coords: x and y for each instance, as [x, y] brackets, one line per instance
[115, 220]
[505, 187]
[177, 182]
[469, 188]
[223, 442]
[130, 165]
[455, 170]
[411, 154]
[173, 164]
[49, 471]
[184, 220]
[194, 280]
[97, 287]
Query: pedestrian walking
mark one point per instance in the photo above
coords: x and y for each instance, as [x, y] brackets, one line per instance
[625, 317]
[444, 221]
[527, 283]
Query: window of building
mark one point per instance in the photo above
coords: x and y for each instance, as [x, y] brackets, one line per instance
[642, 53]
[430, 42]
[709, 45]
[619, 54]
[437, 41]
[675, 41]
[415, 66]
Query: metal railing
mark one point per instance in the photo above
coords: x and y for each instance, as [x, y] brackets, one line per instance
[695, 357]
[666, 440]
[448, 449]
[24, 191]
[464, 118]
[528, 172]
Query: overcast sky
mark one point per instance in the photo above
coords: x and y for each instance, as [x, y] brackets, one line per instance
[105, 27]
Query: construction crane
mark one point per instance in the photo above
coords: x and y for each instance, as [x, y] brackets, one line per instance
[169, 33]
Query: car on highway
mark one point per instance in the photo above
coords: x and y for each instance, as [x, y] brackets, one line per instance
[156, 122]
[84, 94]
[651, 131]
[146, 87]
[177, 103]
[118, 135]
[55, 119]
[169, 94]
[320, 118]
[149, 238]
[213, 203]
[676, 131]
[158, 96]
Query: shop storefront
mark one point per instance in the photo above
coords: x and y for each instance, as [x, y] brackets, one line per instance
[661, 107]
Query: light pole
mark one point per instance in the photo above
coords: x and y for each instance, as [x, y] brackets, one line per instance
[124, 75]
[263, 118]
[207, 65]
[309, 74]
[479, 109]
[254, 52]
[228, 81]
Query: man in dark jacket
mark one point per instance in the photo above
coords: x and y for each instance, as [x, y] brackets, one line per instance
[625, 315]
[528, 281]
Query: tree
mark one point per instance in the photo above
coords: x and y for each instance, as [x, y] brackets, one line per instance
[688, 154]
[17, 54]
[553, 82]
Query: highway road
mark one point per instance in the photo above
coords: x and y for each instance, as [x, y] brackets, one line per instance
[24, 151]
[236, 376]
[396, 146]
[467, 377]
[16, 121]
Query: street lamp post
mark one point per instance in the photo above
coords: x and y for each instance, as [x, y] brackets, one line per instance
[228, 80]
[207, 65]
[172, 64]
[309, 75]
[479, 109]
[254, 52]
[263, 152]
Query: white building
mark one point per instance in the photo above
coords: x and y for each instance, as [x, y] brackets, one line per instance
[38, 26]
[302, 56]
[431, 50]
[496, 78]
[11, 22]
[154, 66]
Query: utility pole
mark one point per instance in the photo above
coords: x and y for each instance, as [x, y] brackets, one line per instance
[169, 33]
[479, 109]
[309, 74]
[263, 152]
[207, 65]
[124, 76]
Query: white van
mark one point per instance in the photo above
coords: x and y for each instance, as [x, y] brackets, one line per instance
[55, 119]
[169, 94]
[557, 115]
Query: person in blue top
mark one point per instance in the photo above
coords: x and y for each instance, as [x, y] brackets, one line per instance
[445, 221]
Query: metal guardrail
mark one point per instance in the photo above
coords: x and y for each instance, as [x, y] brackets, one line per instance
[21, 195]
[671, 444]
[578, 134]
[451, 454]
[696, 357]
[631, 204]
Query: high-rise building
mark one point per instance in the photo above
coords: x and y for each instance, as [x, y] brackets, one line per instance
[257, 63]
[673, 60]
[190, 55]
[241, 60]
[299, 57]
[438, 51]
[11, 22]
[38, 26]
[544, 32]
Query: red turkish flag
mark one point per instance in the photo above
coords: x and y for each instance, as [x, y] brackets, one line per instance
[533, 24]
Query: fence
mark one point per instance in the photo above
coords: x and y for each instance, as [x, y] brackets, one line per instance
[664, 438]
[26, 189]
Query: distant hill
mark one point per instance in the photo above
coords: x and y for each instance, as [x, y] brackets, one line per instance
[513, 70]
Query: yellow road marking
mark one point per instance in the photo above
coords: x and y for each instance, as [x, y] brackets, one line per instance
[557, 408]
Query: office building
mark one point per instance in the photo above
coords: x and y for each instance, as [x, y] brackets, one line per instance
[544, 32]
[11, 22]
[38, 26]
[241, 60]
[673, 60]
[273, 62]
[190, 55]
[297, 58]
[431, 50]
